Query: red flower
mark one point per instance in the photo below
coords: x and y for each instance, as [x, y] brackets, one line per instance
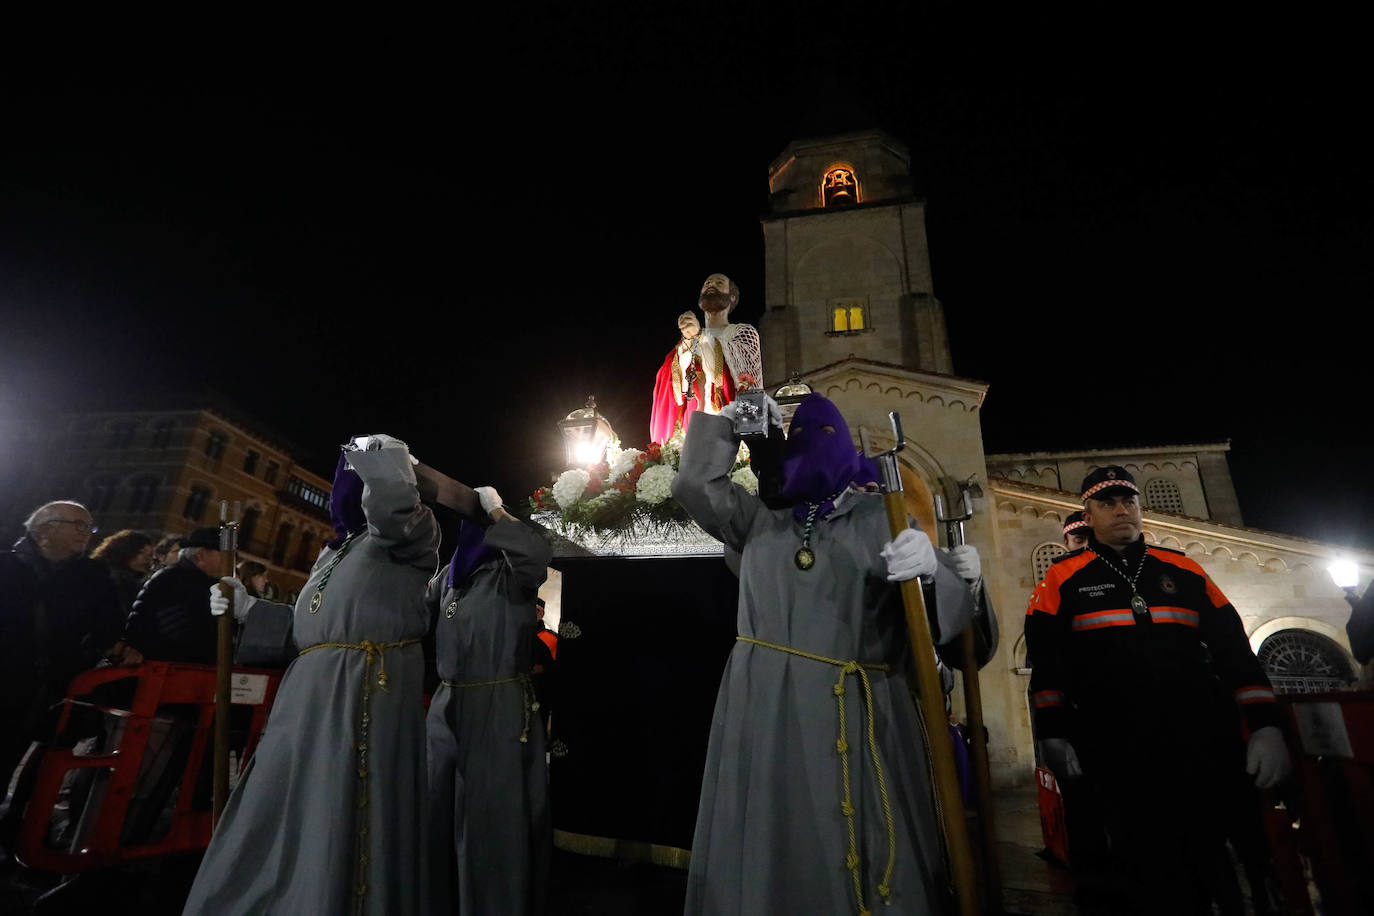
[600, 470]
[593, 486]
[626, 484]
[653, 451]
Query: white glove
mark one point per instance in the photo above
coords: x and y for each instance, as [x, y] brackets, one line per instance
[964, 559]
[489, 499]
[1266, 757]
[908, 555]
[1061, 758]
[241, 600]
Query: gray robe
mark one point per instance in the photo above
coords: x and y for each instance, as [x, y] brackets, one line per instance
[771, 836]
[301, 820]
[489, 811]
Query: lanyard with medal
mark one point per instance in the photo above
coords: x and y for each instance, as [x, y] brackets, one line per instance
[805, 557]
[1138, 605]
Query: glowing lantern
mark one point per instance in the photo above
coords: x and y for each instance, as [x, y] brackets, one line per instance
[585, 434]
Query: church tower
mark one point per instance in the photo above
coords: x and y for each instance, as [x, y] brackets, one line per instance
[847, 271]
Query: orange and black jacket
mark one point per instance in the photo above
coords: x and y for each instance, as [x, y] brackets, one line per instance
[1097, 664]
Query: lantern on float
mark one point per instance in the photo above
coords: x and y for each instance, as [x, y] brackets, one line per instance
[585, 435]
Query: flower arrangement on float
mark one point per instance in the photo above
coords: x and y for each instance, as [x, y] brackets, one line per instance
[628, 490]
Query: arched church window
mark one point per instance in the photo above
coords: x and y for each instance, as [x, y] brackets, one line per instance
[840, 187]
[1161, 494]
[1301, 661]
[1044, 556]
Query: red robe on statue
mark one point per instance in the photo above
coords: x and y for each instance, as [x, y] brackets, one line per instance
[667, 413]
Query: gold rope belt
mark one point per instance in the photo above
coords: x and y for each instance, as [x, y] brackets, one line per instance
[860, 670]
[374, 652]
[527, 687]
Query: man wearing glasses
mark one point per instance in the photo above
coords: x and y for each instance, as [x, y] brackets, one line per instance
[59, 615]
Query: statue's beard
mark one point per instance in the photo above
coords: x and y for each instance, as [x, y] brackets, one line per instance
[714, 302]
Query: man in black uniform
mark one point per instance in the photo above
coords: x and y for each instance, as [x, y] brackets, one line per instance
[1140, 648]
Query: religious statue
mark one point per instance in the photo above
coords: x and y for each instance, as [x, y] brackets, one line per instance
[707, 366]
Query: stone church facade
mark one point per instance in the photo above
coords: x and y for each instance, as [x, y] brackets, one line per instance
[850, 310]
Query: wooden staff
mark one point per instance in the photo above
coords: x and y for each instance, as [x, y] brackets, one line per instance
[973, 707]
[224, 660]
[932, 698]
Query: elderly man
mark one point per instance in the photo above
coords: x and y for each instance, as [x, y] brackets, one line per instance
[171, 619]
[1141, 675]
[59, 615]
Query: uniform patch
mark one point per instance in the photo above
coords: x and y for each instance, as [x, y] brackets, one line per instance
[1097, 590]
[1167, 584]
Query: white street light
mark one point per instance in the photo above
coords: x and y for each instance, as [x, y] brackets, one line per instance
[1345, 573]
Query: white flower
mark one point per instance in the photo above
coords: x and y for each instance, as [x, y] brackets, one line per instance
[569, 487]
[622, 461]
[746, 478]
[655, 484]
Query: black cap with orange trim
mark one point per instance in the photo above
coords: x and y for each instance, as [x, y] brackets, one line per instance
[1075, 524]
[1109, 479]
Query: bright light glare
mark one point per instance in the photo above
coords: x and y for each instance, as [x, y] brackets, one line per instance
[586, 452]
[1345, 573]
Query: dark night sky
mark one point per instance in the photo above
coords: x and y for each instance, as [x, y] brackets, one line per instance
[456, 241]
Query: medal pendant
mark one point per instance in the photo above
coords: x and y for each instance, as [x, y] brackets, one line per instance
[804, 559]
[1138, 605]
[315, 602]
[451, 609]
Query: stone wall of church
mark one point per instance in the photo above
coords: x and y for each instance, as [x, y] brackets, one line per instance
[1182, 469]
[873, 256]
[1275, 583]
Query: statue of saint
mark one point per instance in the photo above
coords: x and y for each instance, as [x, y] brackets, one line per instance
[707, 366]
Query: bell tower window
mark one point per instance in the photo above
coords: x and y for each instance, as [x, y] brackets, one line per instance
[840, 187]
[847, 316]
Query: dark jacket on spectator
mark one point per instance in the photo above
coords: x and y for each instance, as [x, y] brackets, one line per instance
[56, 620]
[171, 620]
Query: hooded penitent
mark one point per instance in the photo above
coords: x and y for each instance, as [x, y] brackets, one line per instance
[817, 465]
[472, 551]
[346, 503]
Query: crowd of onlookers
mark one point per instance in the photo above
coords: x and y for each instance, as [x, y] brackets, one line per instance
[64, 611]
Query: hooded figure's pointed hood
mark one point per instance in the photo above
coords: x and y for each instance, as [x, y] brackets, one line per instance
[346, 503]
[817, 464]
[471, 552]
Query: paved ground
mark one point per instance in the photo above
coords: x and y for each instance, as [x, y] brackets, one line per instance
[579, 886]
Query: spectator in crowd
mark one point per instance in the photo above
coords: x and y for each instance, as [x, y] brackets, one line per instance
[59, 615]
[128, 555]
[171, 619]
[253, 575]
[167, 551]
